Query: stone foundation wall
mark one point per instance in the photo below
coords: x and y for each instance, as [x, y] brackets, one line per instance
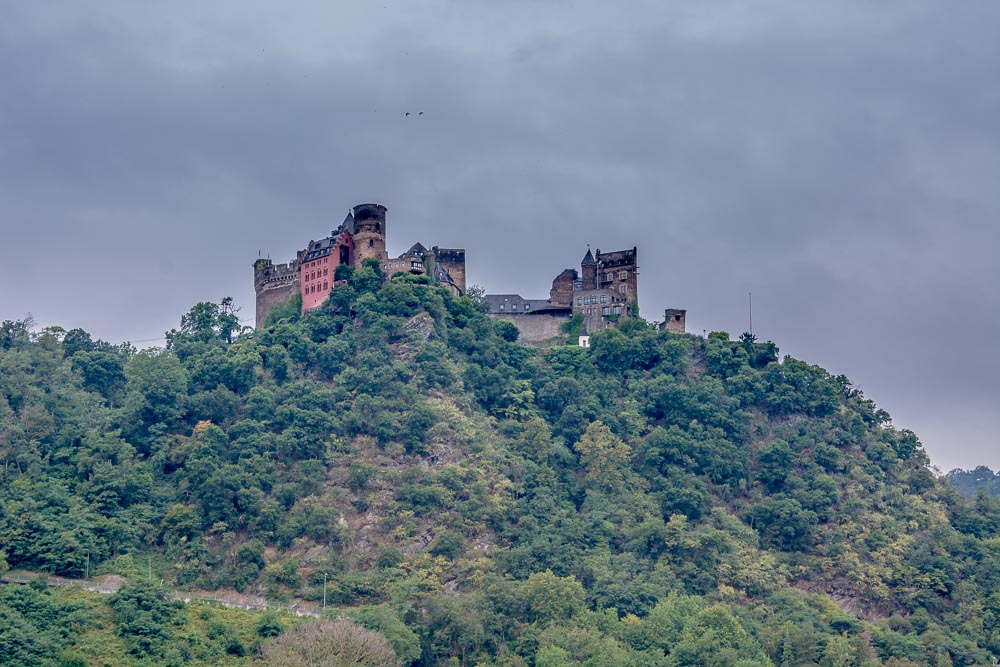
[536, 329]
[268, 298]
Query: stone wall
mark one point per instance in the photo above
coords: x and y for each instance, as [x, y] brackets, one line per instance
[537, 329]
[273, 284]
[269, 297]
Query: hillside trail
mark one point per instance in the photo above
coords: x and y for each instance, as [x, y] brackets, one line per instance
[108, 584]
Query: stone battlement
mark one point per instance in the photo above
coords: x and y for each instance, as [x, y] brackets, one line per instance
[267, 274]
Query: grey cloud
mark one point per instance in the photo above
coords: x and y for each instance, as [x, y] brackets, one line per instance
[837, 159]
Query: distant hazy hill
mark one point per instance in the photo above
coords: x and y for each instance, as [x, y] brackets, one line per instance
[656, 499]
[968, 482]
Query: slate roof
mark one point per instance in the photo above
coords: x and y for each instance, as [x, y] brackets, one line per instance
[514, 303]
[320, 248]
[416, 250]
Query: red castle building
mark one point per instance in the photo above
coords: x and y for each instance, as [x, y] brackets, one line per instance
[361, 236]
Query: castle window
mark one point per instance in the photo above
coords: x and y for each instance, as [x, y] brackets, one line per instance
[605, 311]
[623, 288]
[326, 285]
[371, 243]
[527, 306]
[579, 300]
[618, 310]
[604, 298]
[622, 275]
[501, 306]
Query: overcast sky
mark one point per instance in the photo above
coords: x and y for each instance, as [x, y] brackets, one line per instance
[841, 160]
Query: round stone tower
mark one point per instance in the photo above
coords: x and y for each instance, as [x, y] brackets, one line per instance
[369, 233]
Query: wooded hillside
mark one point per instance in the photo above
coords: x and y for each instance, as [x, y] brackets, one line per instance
[658, 499]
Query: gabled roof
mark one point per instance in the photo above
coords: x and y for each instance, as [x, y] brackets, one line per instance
[588, 258]
[416, 249]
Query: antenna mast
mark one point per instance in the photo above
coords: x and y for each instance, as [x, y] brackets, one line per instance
[750, 298]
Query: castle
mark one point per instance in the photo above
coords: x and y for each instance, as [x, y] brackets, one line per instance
[605, 289]
[361, 236]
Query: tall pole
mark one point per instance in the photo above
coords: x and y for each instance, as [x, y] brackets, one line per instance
[324, 590]
[750, 297]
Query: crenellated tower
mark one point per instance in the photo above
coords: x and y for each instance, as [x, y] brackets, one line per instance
[452, 260]
[274, 284]
[369, 233]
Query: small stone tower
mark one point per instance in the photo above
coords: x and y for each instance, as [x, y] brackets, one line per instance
[588, 269]
[674, 320]
[369, 233]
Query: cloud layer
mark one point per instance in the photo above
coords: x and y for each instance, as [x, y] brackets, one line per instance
[839, 160]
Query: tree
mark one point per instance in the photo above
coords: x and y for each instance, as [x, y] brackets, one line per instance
[507, 330]
[330, 644]
[77, 340]
[477, 294]
[207, 322]
[156, 389]
[604, 456]
[144, 616]
[552, 598]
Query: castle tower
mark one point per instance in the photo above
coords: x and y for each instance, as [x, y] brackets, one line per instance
[452, 260]
[369, 233]
[674, 320]
[588, 269]
[619, 271]
[274, 284]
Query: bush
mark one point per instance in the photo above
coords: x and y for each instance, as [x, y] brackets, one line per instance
[330, 644]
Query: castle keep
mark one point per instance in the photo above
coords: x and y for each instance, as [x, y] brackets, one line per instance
[361, 236]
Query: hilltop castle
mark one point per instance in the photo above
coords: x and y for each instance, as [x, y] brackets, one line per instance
[605, 289]
[361, 236]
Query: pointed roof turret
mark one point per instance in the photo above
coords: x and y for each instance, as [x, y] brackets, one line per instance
[588, 258]
[348, 223]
